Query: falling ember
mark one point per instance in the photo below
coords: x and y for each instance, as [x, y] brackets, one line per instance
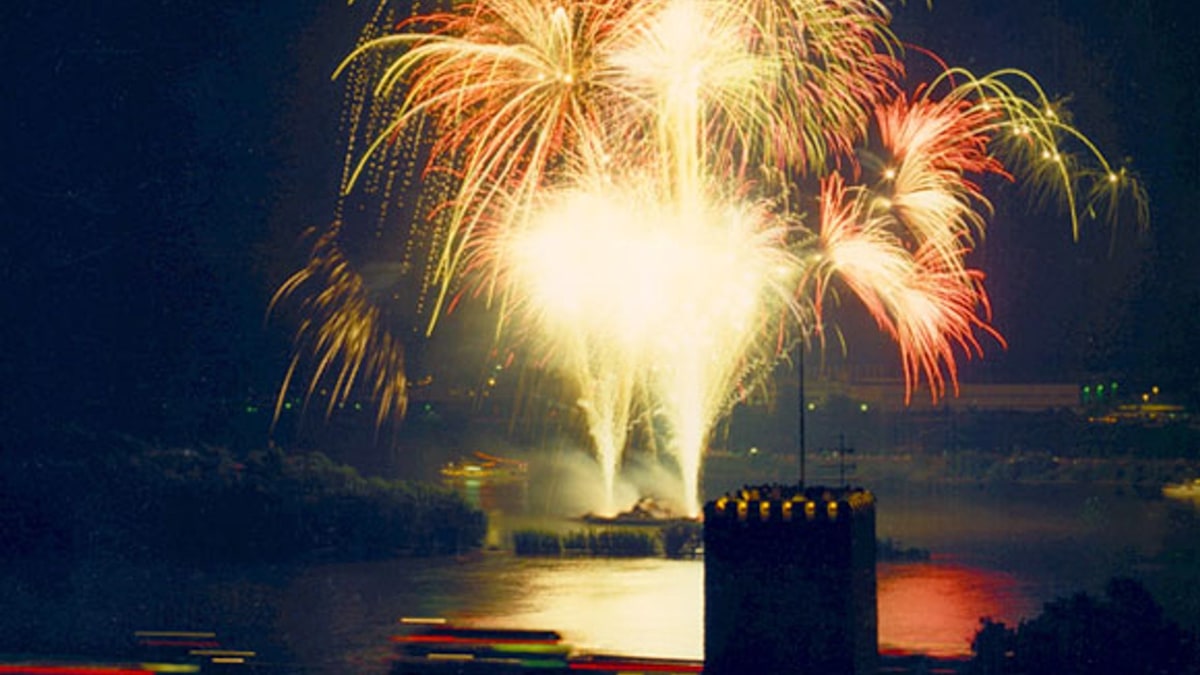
[625, 180]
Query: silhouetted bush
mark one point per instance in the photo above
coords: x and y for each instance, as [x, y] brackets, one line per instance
[1124, 632]
[616, 542]
[681, 539]
[208, 504]
[537, 542]
[891, 550]
[607, 542]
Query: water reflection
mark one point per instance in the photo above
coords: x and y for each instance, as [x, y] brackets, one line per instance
[338, 618]
[649, 608]
[935, 607]
[646, 607]
[641, 607]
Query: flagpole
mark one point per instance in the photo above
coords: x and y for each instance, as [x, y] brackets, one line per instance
[801, 404]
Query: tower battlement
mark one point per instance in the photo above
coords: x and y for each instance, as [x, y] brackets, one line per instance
[789, 581]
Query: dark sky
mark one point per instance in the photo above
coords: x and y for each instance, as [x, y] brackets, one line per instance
[163, 158]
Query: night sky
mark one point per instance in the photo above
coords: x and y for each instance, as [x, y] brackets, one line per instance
[164, 158]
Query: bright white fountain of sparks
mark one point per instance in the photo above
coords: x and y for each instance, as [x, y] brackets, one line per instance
[634, 295]
[624, 187]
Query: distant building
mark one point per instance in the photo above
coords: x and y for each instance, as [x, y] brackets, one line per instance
[882, 390]
[789, 582]
[1143, 414]
[888, 395]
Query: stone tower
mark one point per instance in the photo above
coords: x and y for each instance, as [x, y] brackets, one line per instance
[789, 582]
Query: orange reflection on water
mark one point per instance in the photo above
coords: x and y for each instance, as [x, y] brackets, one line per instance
[642, 607]
[934, 608]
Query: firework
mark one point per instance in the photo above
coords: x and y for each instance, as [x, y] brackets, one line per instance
[620, 178]
[680, 319]
[342, 330]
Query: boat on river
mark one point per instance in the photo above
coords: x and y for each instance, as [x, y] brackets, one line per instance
[485, 467]
[647, 511]
[1185, 490]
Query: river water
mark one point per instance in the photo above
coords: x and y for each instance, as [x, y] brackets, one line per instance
[997, 552]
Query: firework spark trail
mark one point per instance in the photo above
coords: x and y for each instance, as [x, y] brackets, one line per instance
[1034, 139]
[619, 176]
[837, 61]
[676, 319]
[935, 145]
[688, 64]
[926, 300]
[738, 273]
[589, 317]
[512, 87]
[342, 326]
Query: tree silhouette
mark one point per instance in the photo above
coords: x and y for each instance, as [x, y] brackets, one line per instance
[1123, 632]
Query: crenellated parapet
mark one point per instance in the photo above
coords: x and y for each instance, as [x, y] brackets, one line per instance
[790, 581]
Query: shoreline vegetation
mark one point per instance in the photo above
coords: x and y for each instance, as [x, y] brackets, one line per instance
[130, 500]
[125, 497]
[208, 504]
[672, 539]
[1123, 631]
[1037, 468]
[675, 540]
[1144, 476]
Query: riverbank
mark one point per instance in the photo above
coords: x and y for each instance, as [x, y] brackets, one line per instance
[1144, 476]
[206, 504]
[1000, 552]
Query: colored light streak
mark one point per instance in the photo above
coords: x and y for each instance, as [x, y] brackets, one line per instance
[21, 669]
[636, 666]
